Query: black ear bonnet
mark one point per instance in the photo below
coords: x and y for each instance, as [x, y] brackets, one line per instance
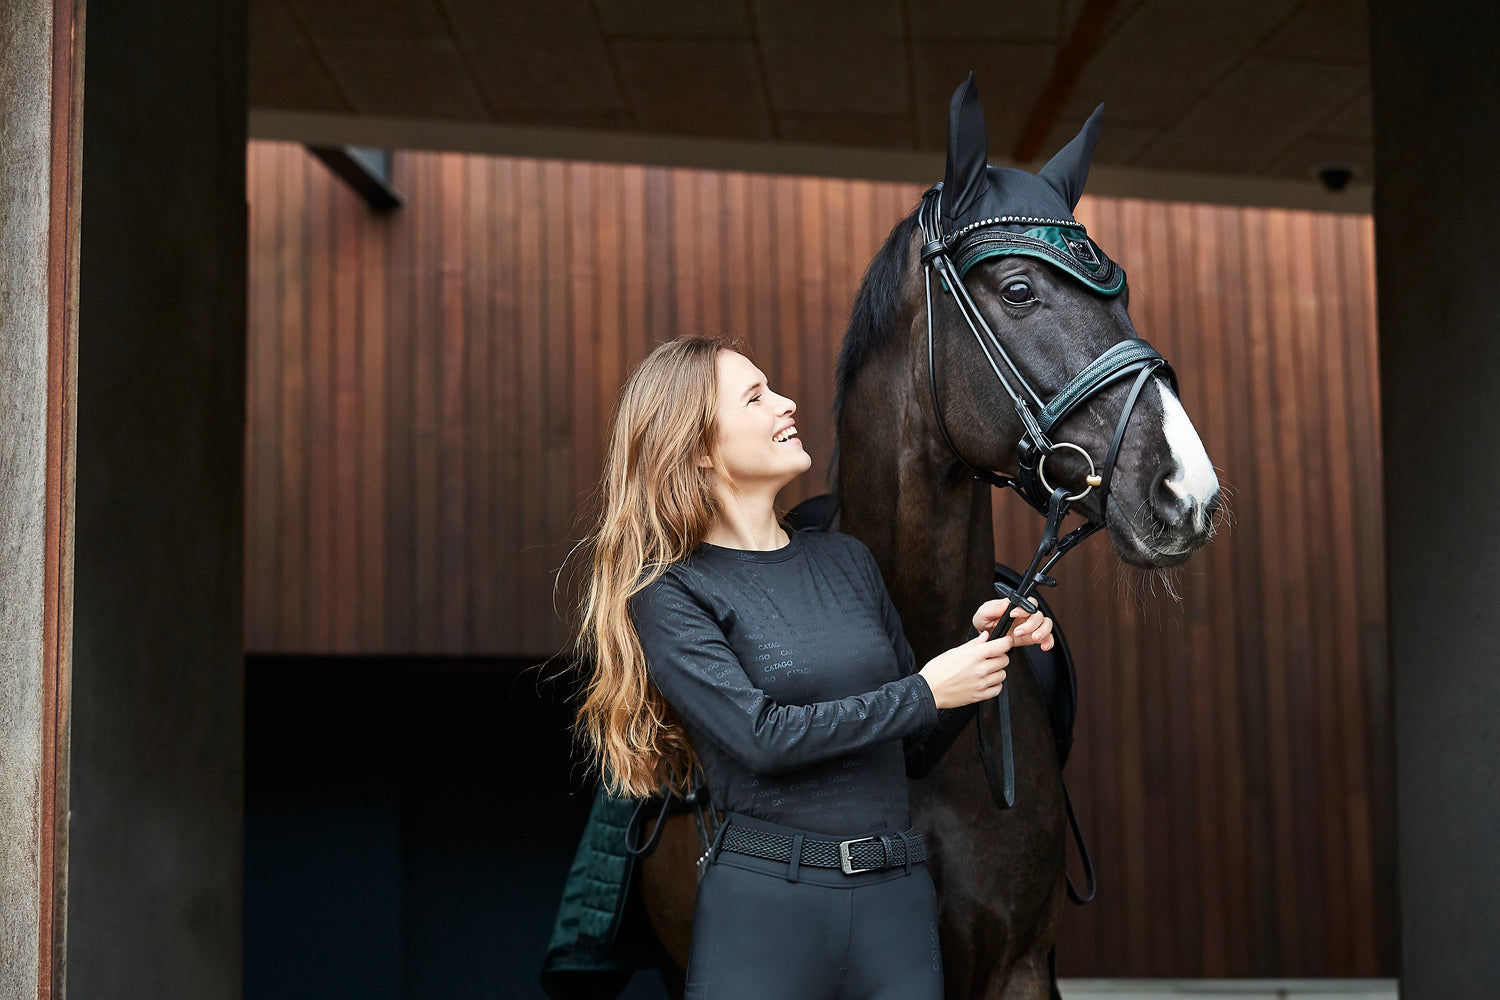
[988, 211]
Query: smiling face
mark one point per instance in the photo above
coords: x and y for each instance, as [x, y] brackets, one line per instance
[756, 440]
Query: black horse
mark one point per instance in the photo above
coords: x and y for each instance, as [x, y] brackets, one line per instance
[923, 402]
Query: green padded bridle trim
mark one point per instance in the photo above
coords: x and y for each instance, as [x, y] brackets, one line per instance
[1069, 249]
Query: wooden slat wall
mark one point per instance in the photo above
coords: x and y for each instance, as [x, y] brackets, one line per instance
[1232, 763]
[430, 390]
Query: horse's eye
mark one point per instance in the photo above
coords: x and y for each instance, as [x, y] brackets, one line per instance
[1017, 291]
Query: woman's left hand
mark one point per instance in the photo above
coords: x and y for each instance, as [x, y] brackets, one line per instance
[1036, 630]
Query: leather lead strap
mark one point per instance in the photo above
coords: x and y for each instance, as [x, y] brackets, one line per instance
[1003, 782]
[632, 829]
[1083, 852]
[1007, 759]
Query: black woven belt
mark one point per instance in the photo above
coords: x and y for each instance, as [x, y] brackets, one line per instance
[862, 854]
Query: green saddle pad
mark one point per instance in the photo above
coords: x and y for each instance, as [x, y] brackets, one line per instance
[601, 935]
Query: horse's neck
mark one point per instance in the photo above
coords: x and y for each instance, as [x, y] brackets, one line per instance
[931, 534]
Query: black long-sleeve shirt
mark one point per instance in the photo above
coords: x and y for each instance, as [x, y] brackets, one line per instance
[792, 675]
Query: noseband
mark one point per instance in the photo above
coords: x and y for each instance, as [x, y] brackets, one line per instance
[948, 256]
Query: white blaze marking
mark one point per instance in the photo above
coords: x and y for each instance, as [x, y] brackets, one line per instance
[1196, 479]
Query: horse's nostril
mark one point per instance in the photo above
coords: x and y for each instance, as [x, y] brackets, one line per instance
[1178, 510]
[1172, 507]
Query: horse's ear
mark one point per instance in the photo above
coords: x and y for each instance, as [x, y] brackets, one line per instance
[1067, 172]
[964, 182]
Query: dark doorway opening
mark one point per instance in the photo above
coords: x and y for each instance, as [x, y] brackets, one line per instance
[409, 824]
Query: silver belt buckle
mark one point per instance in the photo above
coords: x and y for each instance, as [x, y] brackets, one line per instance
[847, 863]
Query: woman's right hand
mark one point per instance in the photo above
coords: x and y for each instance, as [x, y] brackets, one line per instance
[968, 673]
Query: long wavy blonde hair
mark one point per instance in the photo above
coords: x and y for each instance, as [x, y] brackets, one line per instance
[657, 503]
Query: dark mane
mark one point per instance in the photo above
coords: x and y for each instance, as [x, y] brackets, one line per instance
[877, 306]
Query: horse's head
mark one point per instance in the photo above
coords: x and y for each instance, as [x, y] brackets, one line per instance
[1056, 303]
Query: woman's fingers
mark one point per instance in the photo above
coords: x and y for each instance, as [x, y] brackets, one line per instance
[1033, 631]
[998, 646]
[990, 613]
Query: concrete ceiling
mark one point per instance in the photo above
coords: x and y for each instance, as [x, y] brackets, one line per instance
[1246, 88]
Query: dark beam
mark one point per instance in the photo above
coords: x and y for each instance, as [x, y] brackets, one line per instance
[366, 169]
[1074, 55]
[1436, 115]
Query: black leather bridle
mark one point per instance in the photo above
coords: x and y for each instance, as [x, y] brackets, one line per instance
[943, 254]
[1131, 356]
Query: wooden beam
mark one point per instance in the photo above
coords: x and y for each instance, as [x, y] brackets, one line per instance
[1088, 32]
[68, 20]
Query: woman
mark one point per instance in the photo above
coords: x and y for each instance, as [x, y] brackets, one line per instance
[776, 662]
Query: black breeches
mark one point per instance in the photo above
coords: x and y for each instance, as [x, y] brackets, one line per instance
[826, 936]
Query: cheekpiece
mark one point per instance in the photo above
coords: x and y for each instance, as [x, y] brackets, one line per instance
[989, 211]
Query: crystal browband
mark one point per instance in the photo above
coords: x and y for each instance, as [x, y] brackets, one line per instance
[1018, 220]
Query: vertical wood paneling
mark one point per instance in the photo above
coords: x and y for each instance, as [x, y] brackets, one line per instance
[584, 326]
[430, 390]
[263, 383]
[505, 379]
[427, 345]
[287, 524]
[317, 349]
[476, 532]
[375, 312]
[545, 535]
[456, 428]
[400, 612]
[346, 506]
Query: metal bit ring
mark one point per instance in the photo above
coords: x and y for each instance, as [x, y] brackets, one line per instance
[1092, 479]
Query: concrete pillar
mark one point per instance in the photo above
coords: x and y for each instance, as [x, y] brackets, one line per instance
[157, 768]
[40, 84]
[1437, 217]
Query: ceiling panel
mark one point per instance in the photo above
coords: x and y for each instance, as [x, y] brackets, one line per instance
[1235, 86]
[976, 20]
[1253, 115]
[847, 75]
[674, 18]
[550, 79]
[413, 77]
[522, 21]
[538, 58]
[327, 20]
[847, 130]
[285, 72]
[1352, 122]
[702, 87]
[1336, 30]
[1163, 55]
[830, 20]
